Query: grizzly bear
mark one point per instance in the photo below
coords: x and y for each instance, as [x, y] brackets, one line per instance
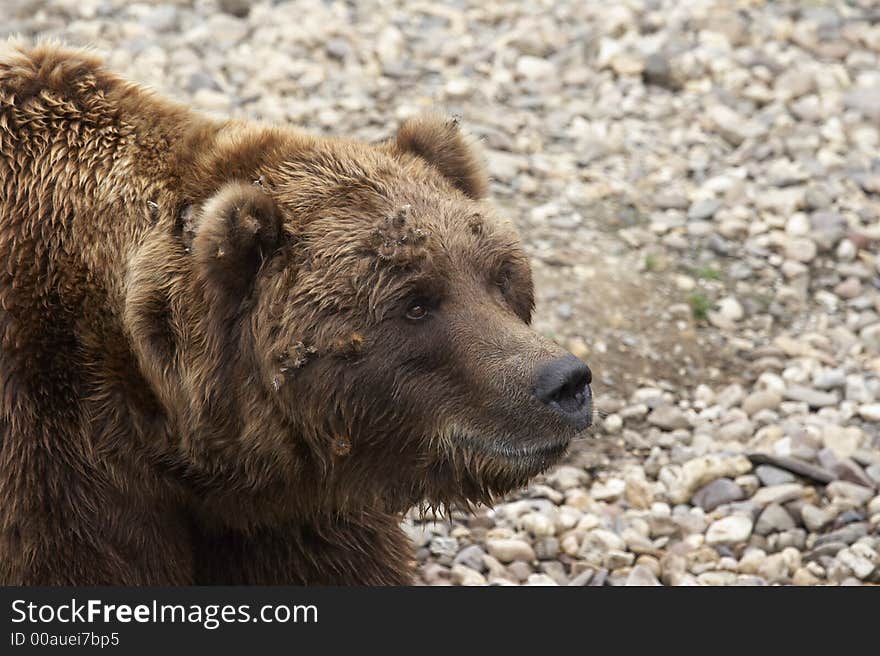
[237, 353]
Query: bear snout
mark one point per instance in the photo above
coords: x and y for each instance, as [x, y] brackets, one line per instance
[563, 385]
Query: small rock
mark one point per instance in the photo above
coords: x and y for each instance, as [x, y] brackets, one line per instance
[615, 559]
[699, 471]
[546, 548]
[860, 566]
[567, 477]
[658, 71]
[442, 546]
[870, 411]
[761, 400]
[582, 579]
[850, 491]
[813, 398]
[716, 493]
[732, 127]
[770, 475]
[729, 530]
[704, 209]
[773, 568]
[535, 68]
[804, 577]
[730, 396]
[509, 550]
[162, 18]
[237, 8]
[801, 249]
[668, 418]
[866, 101]
[728, 313]
[458, 87]
[773, 519]
[612, 424]
[463, 575]
[778, 494]
[736, 431]
[540, 580]
[609, 490]
[337, 48]
[472, 557]
[829, 379]
[641, 575]
[843, 441]
[849, 288]
[847, 535]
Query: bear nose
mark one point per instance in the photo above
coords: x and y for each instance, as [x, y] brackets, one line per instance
[564, 386]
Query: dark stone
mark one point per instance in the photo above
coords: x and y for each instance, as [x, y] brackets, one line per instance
[237, 8]
[658, 72]
[848, 534]
[794, 465]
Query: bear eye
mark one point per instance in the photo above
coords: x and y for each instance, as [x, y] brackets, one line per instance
[417, 310]
[502, 279]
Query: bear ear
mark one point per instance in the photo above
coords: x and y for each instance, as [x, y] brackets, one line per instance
[235, 231]
[442, 144]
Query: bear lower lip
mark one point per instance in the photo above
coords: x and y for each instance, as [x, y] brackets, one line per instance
[515, 453]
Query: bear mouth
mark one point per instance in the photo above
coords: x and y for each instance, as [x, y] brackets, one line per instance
[531, 455]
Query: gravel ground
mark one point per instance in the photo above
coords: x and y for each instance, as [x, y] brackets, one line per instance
[698, 184]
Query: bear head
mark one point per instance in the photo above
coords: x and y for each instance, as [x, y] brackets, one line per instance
[362, 319]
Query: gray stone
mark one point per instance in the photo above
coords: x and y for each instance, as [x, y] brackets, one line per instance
[848, 469]
[773, 519]
[441, 546]
[848, 534]
[778, 494]
[161, 18]
[659, 72]
[704, 209]
[582, 579]
[849, 491]
[866, 101]
[829, 379]
[337, 48]
[770, 475]
[201, 80]
[546, 548]
[238, 8]
[668, 417]
[471, 556]
[736, 431]
[716, 493]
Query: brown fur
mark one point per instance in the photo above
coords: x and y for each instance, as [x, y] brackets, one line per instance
[206, 370]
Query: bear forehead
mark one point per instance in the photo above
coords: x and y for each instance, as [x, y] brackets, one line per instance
[370, 259]
[436, 232]
[403, 226]
[357, 202]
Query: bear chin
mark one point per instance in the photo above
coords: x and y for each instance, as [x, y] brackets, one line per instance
[483, 469]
